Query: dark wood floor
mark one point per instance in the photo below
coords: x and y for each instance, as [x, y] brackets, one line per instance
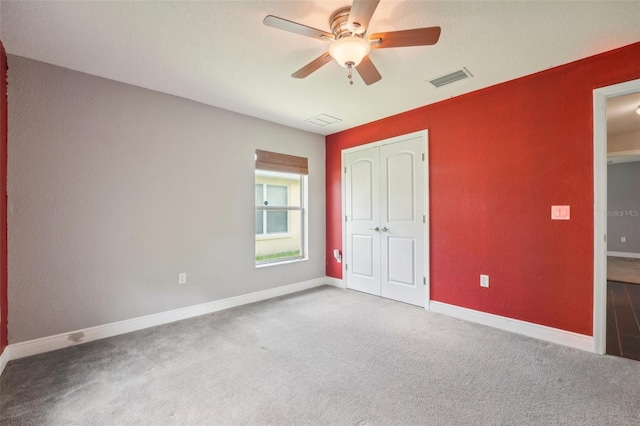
[623, 319]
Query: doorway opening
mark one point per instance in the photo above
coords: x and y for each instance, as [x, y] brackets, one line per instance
[602, 327]
[623, 226]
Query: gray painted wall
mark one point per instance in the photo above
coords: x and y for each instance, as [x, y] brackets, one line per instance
[623, 207]
[114, 190]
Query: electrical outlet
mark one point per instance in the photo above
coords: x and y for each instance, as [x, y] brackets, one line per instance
[484, 280]
[182, 278]
[623, 239]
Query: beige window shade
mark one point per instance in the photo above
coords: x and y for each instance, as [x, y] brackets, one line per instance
[275, 162]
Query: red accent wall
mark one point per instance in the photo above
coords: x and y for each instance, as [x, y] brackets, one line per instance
[3, 198]
[498, 159]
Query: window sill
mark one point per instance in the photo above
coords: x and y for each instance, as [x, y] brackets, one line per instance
[263, 237]
[281, 262]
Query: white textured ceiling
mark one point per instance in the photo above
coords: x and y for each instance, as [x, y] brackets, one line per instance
[219, 52]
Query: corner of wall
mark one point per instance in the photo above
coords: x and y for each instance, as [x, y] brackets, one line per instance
[4, 359]
[3, 201]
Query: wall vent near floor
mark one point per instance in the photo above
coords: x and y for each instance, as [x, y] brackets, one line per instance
[323, 120]
[452, 77]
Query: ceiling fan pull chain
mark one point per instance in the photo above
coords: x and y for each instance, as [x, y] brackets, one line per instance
[350, 66]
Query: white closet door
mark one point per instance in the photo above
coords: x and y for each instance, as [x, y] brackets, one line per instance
[402, 247]
[362, 218]
[385, 222]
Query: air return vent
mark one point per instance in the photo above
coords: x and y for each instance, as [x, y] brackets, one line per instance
[450, 78]
[323, 120]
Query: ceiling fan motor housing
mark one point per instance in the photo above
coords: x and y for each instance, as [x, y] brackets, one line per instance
[338, 22]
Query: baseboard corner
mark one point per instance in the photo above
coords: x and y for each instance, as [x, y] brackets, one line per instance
[4, 359]
[335, 282]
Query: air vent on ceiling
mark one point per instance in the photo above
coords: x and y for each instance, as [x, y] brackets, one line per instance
[452, 77]
[323, 120]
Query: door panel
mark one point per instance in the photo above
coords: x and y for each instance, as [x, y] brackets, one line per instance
[362, 176]
[363, 216]
[402, 257]
[400, 186]
[362, 263]
[402, 237]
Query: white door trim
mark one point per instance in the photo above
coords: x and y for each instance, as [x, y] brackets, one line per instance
[600, 96]
[424, 134]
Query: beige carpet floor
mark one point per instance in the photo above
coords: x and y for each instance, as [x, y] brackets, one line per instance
[324, 357]
[623, 269]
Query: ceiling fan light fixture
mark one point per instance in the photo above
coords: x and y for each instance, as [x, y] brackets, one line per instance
[349, 50]
[349, 47]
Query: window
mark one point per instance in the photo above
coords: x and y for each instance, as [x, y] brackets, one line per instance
[280, 210]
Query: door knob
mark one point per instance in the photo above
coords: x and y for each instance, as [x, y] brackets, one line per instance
[384, 229]
[375, 229]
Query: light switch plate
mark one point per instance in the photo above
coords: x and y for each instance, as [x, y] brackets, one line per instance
[560, 212]
[484, 280]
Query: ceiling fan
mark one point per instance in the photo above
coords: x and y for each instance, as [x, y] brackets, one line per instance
[349, 47]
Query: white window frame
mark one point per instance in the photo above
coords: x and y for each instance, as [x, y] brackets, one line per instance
[302, 208]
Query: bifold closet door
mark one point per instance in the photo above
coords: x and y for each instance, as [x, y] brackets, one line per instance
[402, 242]
[362, 219]
[385, 189]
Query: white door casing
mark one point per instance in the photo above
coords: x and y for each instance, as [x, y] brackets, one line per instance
[386, 221]
[600, 97]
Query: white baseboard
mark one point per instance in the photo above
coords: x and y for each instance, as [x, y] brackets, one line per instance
[63, 340]
[336, 282]
[623, 254]
[4, 359]
[549, 334]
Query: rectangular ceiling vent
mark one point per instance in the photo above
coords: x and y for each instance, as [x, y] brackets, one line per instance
[323, 120]
[451, 78]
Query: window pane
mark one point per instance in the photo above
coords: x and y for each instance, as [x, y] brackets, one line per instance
[284, 246]
[259, 223]
[259, 194]
[277, 222]
[277, 195]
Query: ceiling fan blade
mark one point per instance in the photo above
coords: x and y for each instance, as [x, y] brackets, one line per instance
[361, 13]
[368, 71]
[294, 27]
[312, 66]
[417, 37]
